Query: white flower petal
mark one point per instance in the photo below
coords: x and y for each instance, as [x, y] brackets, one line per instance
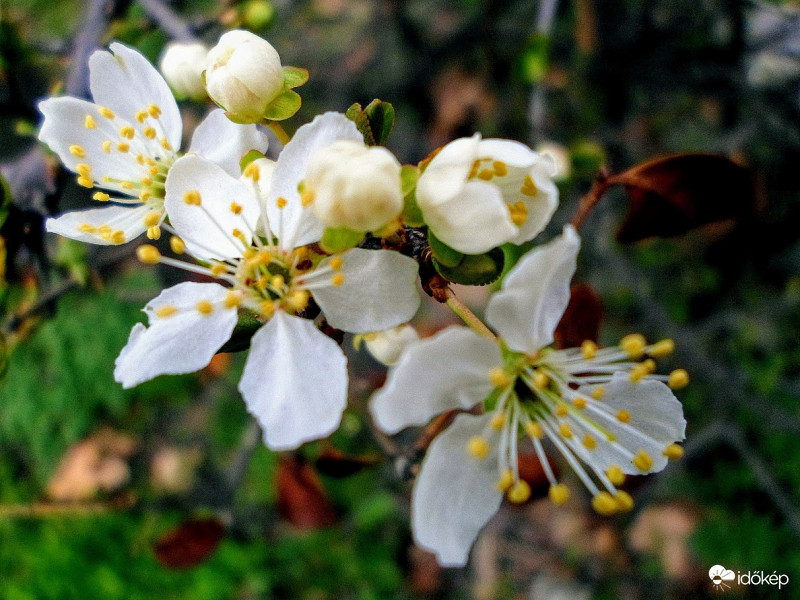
[514, 154]
[181, 342]
[535, 294]
[224, 142]
[447, 173]
[447, 371]
[294, 382]
[541, 206]
[294, 224]
[388, 346]
[378, 291]
[455, 494]
[126, 82]
[84, 225]
[208, 229]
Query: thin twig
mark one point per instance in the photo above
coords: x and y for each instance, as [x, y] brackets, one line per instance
[169, 21]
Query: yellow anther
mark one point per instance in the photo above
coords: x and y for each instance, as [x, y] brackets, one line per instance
[335, 262]
[623, 416]
[634, 345]
[559, 494]
[518, 212]
[643, 461]
[615, 475]
[123, 147]
[152, 218]
[301, 253]
[673, 452]
[624, 501]
[233, 300]
[277, 282]
[154, 232]
[579, 403]
[148, 254]
[565, 430]
[499, 378]
[165, 144]
[562, 410]
[236, 208]
[150, 161]
[262, 283]
[267, 308]
[500, 168]
[89, 122]
[141, 115]
[598, 392]
[154, 111]
[106, 112]
[166, 311]
[140, 159]
[589, 442]
[149, 133]
[678, 379]
[86, 228]
[506, 480]
[534, 430]
[145, 195]
[498, 421]
[85, 182]
[281, 202]
[253, 172]
[519, 492]
[153, 170]
[127, 132]
[603, 503]
[662, 348]
[77, 150]
[218, 269]
[107, 146]
[105, 235]
[337, 279]
[126, 185]
[588, 349]
[146, 181]
[192, 197]
[204, 307]
[478, 447]
[307, 198]
[177, 245]
[529, 187]
[101, 196]
[540, 380]
[297, 300]
[485, 174]
[105, 229]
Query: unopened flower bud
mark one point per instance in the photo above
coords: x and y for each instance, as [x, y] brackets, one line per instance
[355, 186]
[244, 75]
[387, 346]
[182, 66]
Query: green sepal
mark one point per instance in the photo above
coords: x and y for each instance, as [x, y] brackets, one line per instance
[284, 106]
[442, 253]
[375, 122]
[294, 77]
[250, 157]
[412, 215]
[339, 239]
[233, 118]
[474, 269]
[357, 115]
[244, 330]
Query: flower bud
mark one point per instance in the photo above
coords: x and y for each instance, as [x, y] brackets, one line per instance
[244, 75]
[387, 346]
[354, 186]
[182, 66]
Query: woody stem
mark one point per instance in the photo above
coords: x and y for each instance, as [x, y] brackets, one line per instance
[466, 315]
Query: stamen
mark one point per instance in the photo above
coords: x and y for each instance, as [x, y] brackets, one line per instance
[233, 300]
[89, 122]
[485, 174]
[204, 307]
[253, 172]
[624, 501]
[499, 378]
[603, 503]
[101, 197]
[123, 147]
[148, 254]
[337, 279]
[85, 182]
[643, 461]
[498, 421]
[579, 403]
[500, 168]
[558, 493]
[154, 111]
[529, 187]
[615, 475]
[141, 116]
[166, 311]
[307, 198]
[534, 430]
[106, 112]
[149, 133]
[624, 416]
[506, 481]
[152, 218]
[678, 379]
[281, 202]
[77, 150]
[562, 410]
[673, 452]
[519, 492]
[154, 233]
[565, 430]
[478, 447]
[192, 197]
[107, 146]
[236, 208]
[518, 212]
[588, 349]
[589, 442]
[598, 392]
[177, 245]
[634, 345]
[127, 132]
[662, 348]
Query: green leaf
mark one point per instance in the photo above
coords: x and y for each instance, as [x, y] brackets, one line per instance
[250, 157]
[474, 269]
[339, 239]
[412, 215]
[442, 253]
[357, 115]
[381, 117]
[284, 106]
[294, 77]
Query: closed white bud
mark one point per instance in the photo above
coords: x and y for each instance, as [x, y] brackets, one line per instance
[387, 346]
[354, 186]
[244, 75]
[182, 66]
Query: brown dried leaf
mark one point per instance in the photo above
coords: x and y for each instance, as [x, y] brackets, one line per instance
[581, 321]
[190, 543]
[302, 500]
[334, 463]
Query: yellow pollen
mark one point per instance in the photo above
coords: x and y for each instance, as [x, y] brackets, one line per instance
[519, 492]
[498, 421]
[277, 282]
[147, 181]
[336, 262]
[603, 503]
[107, 146]
[589, 442]
[145, 195]
[562, 410]
[558, 493]
[534, 430]
[152, 218]
[141, 116]
[307, 198]
[301, 253]
[678, 379]
[165, 144]
[85, 182]
[126, 185]
[140, 159]
[297, 300]
[89, 122]
[528, 187]
[105, 235]
[236, 208]
[500, 168]
[192, 197]
[598, 392]
[123, 147]
[540, 380]
[673, 452]
[615, 475]
[267, 308]
[485, 174]
[83, 169]
[150, 161]
[253, 172]
[588, 349]
[643, 461]
[262, 283]
[233, 300]
[499, 378]
[149, 133]
[105, 229]
[281, 202]
[154, 111]
[86, 228]
[106, 112]
[662, 348]
[77, 150]
[101, 196]
[518, 212]
[337, 279]
[177, 245]
[579, 403]
[478, 447]
[204, 307]
[506, 480]
[634, 345]
[148, 254]
[218, 269]
[127, 132]
[153, 170]
[565, 430]
[623, 416]
[166, 311]
[154, 233]
[624, 501]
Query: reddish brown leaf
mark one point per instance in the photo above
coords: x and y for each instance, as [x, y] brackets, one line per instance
[334, 463]
[302, 500]
[674, 194]
[190, 543]
[581, 320]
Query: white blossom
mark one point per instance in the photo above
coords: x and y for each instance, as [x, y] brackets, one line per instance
[387, 346]
[182, 66]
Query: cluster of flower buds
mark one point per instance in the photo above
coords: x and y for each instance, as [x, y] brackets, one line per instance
[286, 250]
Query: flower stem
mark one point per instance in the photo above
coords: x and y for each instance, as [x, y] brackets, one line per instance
[279, 132]
[466, 315]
